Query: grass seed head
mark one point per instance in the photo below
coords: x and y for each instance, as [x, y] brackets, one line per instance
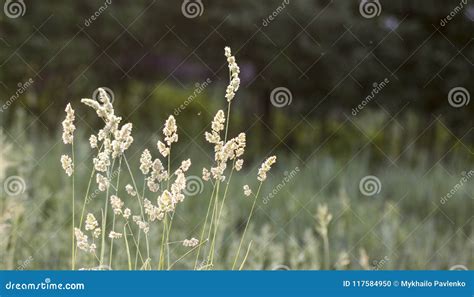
[266, 166]
[66, 163]
[68, 125]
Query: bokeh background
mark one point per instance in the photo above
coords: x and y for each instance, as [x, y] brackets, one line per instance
[338, 90]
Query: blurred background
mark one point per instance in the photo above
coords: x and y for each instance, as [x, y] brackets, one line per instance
[341, 91]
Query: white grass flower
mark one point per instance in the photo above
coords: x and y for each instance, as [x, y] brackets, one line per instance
[218, 171]
[158, 174]
[81, 240]
[206, 175]
[152, 211]
[127, 213]
[104, 110]
[159, 170]
[247, 190]
[96, 232]
[238, 164]
[241, 142]
[163, 149]
[152, 185]
[323, 217]
[165, 201]
[143, 226]
[66, 163]
[68, 125]
[170, 130]
[191, 242]
[145, 161]
[213, 137]
[185, 165]
[117, 204]
[218, 122]
[178, 186]
[102, 182]
[123, 140]
[234, 71]
[93, 141]
[266, 166]
[91, 222]
[102, 161]
[130, 191]
[91, 103]
[92, 248]
[115, 235]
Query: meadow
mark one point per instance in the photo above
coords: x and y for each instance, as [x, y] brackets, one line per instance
[420, 218]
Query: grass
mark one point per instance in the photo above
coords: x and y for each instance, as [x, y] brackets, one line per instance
[307, 215]
[151, 215]
[403, 227]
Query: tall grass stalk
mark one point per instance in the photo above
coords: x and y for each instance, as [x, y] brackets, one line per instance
[113, 140]
[247, 224]
[73, 249]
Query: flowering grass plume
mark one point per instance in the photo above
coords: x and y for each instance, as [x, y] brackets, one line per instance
[126, 223]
